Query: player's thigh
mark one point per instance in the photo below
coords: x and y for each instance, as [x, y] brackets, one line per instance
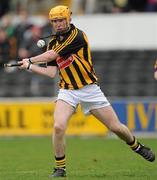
[63, 112]
[107, 116]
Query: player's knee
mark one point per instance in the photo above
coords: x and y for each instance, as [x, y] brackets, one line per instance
[59, 129]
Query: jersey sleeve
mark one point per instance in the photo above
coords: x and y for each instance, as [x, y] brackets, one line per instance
[72, 44]
[49, 47]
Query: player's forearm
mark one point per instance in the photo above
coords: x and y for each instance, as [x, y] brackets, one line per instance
[44, 57]
[155, 75]
[46, 71]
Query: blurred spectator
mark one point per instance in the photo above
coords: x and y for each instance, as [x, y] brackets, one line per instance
[22, 26]
[137, 5]
[29, 48]
[65, 2]
[6, 24]
[120, 6]
[4, 47]
[90, 6]
[47, 29]
[4, 7]
[29, 45]
[104, 6]
[77, 6]
[151, 6]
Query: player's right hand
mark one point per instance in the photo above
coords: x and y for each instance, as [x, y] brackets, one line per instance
[24, 63]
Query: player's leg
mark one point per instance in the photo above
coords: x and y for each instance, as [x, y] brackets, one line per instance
[63, 112]
[109, 118]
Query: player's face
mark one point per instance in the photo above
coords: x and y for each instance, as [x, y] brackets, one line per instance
[59, 25]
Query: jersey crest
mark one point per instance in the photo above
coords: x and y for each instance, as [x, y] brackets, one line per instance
[63, 63]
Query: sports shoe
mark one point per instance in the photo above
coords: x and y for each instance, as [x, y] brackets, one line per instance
[145, 152]
[59, 172]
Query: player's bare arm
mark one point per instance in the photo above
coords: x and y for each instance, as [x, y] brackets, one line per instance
[49, 71]
[44, 57]
[155, 70]
[155, 75]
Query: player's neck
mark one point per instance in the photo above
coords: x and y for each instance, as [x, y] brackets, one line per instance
[62, 33]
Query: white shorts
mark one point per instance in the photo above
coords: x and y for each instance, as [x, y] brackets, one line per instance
[89, 97]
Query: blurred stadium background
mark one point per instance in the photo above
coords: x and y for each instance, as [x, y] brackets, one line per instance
[123, 37]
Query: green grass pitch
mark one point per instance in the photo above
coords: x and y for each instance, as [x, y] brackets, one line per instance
[94, 158]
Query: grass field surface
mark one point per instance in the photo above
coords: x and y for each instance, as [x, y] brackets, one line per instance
[31, 158]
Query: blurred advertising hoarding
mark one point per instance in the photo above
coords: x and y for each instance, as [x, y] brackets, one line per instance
[36, 118]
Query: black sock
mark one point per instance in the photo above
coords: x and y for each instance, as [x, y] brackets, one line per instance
[134, 145]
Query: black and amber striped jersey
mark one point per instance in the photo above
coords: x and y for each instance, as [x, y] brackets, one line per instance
[74, 61]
